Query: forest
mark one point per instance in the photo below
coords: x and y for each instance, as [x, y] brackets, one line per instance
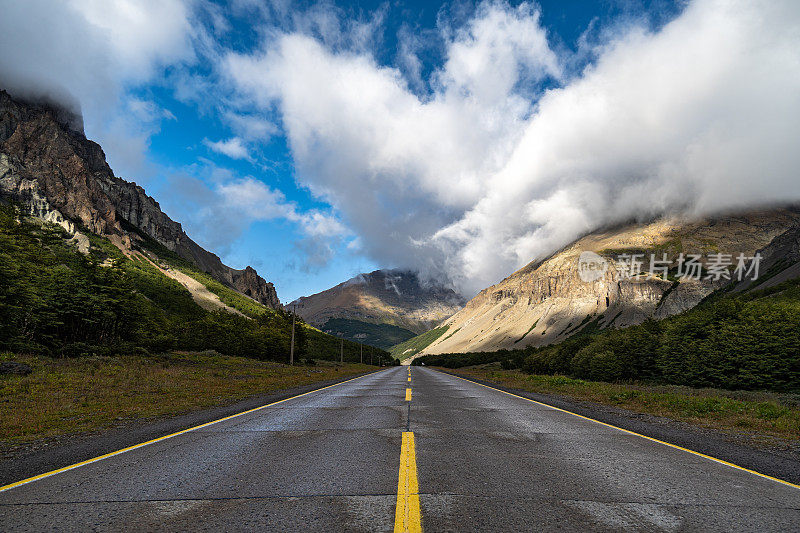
[57, 301]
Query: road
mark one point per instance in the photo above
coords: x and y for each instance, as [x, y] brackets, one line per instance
[389, 451]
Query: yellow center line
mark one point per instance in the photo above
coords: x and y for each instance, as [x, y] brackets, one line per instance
[407, 516]
[409, 378]
[408, 395]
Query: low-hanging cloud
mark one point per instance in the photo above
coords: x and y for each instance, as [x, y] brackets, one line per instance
[489, 171]
[84, 54]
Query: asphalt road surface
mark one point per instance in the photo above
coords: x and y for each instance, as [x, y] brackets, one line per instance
[389, 451]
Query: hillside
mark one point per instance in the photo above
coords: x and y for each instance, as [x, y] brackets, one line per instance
[398, 301]
[59, 176]
[547, 301]
[743, 336]
[90, 265]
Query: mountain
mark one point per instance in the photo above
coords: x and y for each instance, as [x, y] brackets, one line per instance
[382, 308]
[90, 265]
[547, 301]
[49, 167]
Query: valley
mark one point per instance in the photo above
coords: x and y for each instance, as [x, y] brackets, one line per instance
[466, 265]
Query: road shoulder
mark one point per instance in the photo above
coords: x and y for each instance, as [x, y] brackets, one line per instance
[776, 461]
[21, 461]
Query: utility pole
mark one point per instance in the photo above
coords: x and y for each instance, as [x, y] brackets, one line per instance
[362, 353]
[291, 347]
[341, 352]
[370, 356]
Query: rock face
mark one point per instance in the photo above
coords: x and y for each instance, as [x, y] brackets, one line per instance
[548, 301]
[62, 177]
[249, 283]
[382, 297]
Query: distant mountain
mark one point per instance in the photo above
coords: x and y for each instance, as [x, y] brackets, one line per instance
[382, 308]
[48, 166]
[548, 301]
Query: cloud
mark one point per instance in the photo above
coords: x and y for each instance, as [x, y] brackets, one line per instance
[233, 148]
[217, 206]
[251, 127]
[503, 151]
[141, 35]
[85, 54]
[512, 155]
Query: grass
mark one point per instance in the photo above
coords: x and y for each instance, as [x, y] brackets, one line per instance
[414, 345]
[228, 296]
[69, 396]
[752, 413]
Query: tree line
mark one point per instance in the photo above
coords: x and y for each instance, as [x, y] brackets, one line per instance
[745, 341]
[56, 301]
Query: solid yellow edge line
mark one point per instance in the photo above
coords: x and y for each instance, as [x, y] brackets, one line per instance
[407, 515]
[141, 444]
[408, 395]
[721, 461]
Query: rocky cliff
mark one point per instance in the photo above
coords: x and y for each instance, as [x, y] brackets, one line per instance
[50, 167]
[390, 297]
[547, 301]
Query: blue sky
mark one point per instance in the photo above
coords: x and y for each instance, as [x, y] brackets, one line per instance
[271, 246]
[315, 141]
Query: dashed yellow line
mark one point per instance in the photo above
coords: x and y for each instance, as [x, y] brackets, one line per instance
[135, 446]
[407, 516]
[675, 446]
[409, 378]
[408, 395]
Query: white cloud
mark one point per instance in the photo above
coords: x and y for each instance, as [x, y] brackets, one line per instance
[469, 171]
[255, 200]
[251, 127]
[233, 148]
[487, 172]
[86, 53]
[148, 112]
[217, 207]
[141, 35]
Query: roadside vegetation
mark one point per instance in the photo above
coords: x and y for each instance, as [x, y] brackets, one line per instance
[747, 341]
[73, 395]
[414, 345]
[55, 301]
[755, 414]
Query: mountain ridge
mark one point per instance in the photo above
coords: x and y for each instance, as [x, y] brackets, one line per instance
[397, 298]
[62, 177]
[545, 301]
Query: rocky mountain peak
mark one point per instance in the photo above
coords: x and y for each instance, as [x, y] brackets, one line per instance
[547, 301]
[395, 297]
[62, 177]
